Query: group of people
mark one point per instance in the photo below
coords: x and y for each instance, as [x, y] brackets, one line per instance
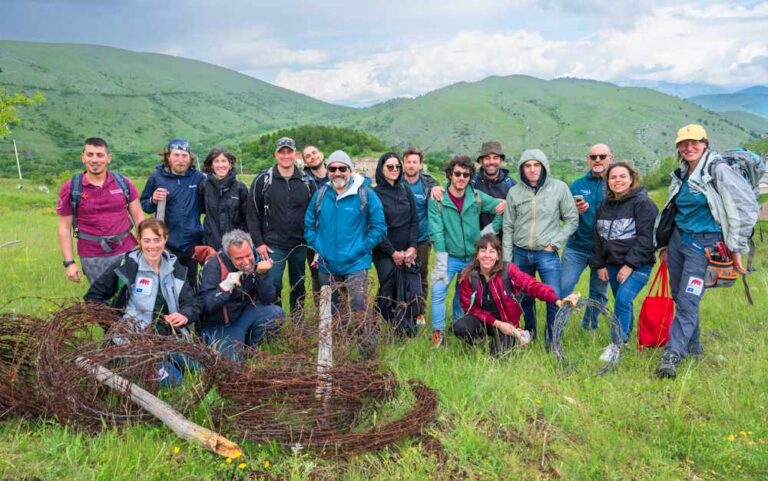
[491, 229]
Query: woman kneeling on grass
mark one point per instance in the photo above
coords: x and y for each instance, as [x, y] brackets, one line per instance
[489, 289]
[623, 251]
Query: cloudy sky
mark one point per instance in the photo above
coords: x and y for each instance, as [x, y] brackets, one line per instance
[361, 52]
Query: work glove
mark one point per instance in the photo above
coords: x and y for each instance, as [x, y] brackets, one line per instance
[232, 280]
[488, 230]
[440, 271]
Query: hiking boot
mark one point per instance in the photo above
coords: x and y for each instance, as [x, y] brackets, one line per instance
[420, 321]
[611, 353]
[438, 339]
[667, 367]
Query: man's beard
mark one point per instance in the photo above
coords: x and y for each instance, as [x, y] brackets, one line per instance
[339, 182]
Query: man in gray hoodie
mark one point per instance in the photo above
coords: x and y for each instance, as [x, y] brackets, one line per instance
[532, 232]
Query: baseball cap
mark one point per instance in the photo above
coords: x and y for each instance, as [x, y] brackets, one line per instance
[179, 144]
[285, 142]
[691, 132]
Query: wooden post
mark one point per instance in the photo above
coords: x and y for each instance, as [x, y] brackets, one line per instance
[180, 425]
[160, 213]
[325, 344]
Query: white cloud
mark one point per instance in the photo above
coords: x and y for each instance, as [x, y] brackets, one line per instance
[718, 44]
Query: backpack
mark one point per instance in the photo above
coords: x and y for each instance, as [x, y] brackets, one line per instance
[76, 195]
[202, 254]
[362, 192]
[746, 163]
[268, 175]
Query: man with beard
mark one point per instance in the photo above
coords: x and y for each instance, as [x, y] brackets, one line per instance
[314, 166]
[492, 179]
[92, 206]
[588, 192]
[343, 223]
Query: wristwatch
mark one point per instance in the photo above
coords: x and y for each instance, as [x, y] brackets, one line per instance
[68, 263]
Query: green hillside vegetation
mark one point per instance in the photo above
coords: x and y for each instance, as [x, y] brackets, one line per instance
[137, 101]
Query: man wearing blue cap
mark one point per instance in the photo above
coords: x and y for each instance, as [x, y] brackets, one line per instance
[175, 181]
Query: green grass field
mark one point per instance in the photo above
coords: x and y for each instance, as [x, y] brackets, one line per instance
[520, 418]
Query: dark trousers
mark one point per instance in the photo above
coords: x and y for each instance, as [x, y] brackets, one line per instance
[191, 265]
[471, 329]
[422, 254]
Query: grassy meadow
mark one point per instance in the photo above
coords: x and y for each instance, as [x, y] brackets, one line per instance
[523, 417]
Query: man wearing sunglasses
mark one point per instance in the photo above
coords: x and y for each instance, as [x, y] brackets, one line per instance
[454, 227]
[588, 192]
[492, 179]
[343, 223]
[539, 218]
[175, 181]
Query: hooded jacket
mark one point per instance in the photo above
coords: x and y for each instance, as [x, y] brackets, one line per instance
[223, 201]
[731, 200]
[456, 232]
[623, 232]
[182, 209]
[399, 212]
[119, 284]
[506, 302]
[592, 188]
[253, 288]
[276, 216]
[533, 215]
[497, 188]
[422, 203]
[341, 232]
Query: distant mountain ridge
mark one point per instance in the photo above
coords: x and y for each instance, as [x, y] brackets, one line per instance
[752, 99]
[139, 100]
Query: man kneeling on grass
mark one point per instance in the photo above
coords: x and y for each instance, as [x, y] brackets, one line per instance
[237, 297]
[489, 289]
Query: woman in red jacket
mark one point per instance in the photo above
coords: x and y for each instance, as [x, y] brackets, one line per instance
[489, 292]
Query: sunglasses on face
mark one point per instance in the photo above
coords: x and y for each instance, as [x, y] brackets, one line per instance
[392, 167]
[594, 157]
[341, 168]
[458, 174]
[179, 144]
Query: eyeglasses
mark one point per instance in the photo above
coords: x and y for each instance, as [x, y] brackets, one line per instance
[458, 174]
[594, 157]
[179, 144]
[340, 168]
[392, 167]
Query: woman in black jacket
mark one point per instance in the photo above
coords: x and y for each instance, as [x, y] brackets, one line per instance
[222, 197]
[398, 250]
[623, 251]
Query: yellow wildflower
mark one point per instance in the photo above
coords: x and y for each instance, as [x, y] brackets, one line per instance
[176, 450]
[743, 434]
[229, 461]
[731, 438]
[266, 464]
[241, 466]
[237, 455]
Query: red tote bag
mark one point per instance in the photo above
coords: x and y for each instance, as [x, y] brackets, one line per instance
[657, 312]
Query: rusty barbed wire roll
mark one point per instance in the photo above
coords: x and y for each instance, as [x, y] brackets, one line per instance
[18, 346]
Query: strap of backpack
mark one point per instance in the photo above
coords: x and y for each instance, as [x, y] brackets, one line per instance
[318, 201]
[224, 272]
[75, 195]
[265, 190]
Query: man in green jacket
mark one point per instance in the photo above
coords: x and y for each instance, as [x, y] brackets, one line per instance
[533, 233]
[454, 227]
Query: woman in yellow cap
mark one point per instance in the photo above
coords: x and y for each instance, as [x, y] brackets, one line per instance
[710, 208]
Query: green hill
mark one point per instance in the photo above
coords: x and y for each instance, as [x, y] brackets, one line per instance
[563, 117]
[139, 100]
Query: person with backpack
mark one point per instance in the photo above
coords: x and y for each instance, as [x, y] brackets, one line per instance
[491, 178]
[314, 166]
[623, 253]
[96, 207]
[175, 182]
[490, 291]
[237, 296]
[223, 198]
[277, 202]
[396, 254]
[344, 222]
[539, 218]
[454, 227]
[710, 209]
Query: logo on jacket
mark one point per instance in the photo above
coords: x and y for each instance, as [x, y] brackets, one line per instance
[143, 285]
[695, 286]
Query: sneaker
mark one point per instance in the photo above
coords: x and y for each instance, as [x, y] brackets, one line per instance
[611, 353]
[438, 339]
[420, 321]
[668, 365]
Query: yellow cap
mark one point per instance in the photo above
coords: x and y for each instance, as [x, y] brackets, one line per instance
[691, 132]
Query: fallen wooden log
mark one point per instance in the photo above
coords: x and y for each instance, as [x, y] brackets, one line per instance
[180, 425]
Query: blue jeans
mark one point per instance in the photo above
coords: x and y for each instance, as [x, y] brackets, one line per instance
[624, 295]
[356, 284]
[573, 264]
[250, 328]
[687, 268]
[547, 264]
[439, 291]
[295, 259]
